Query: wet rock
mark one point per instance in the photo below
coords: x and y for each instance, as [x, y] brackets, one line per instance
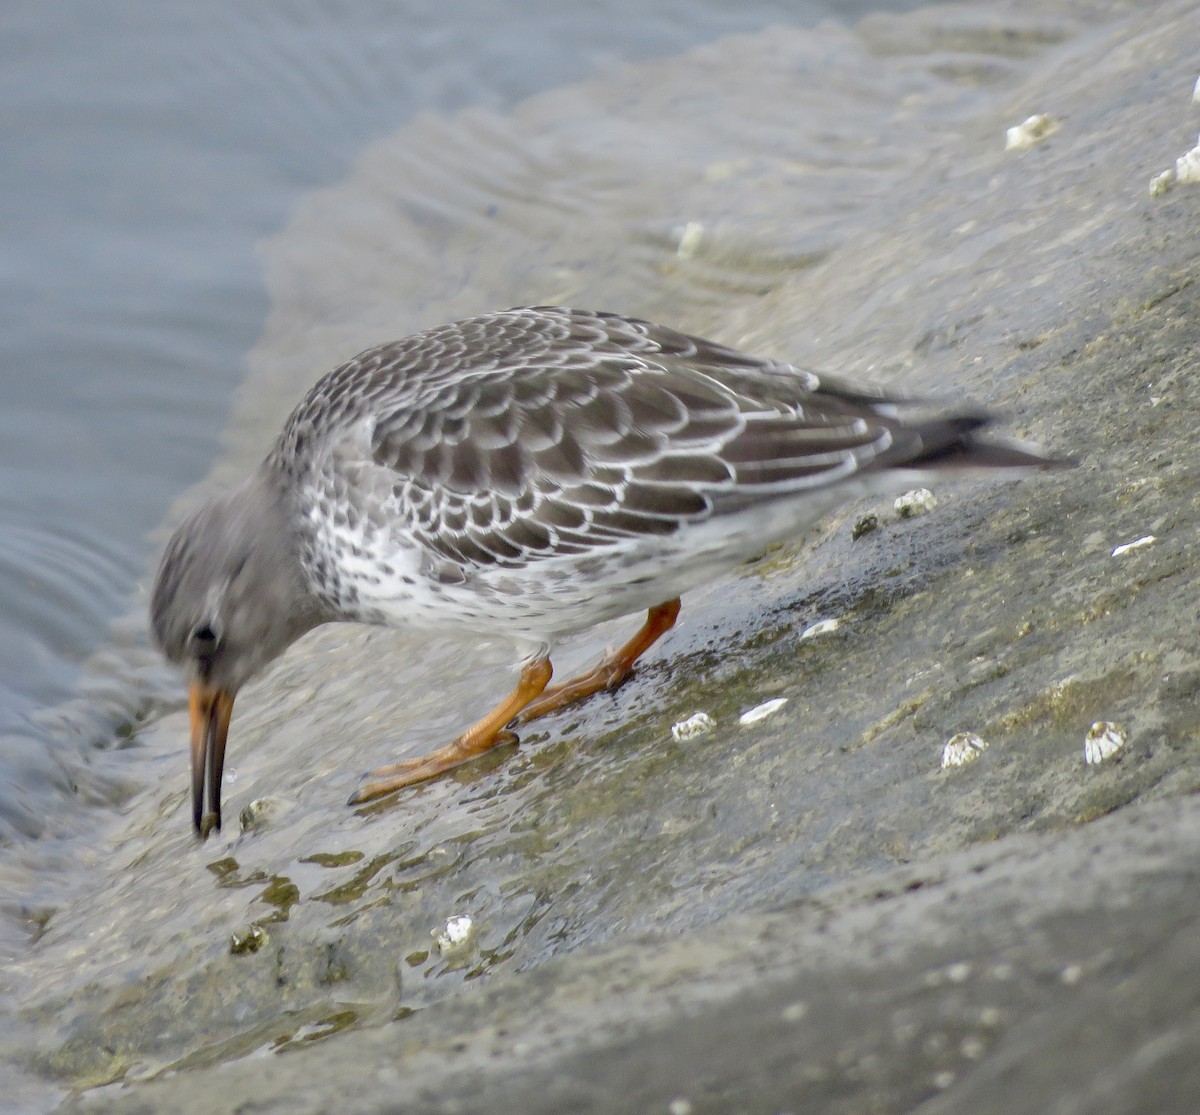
[648, 914]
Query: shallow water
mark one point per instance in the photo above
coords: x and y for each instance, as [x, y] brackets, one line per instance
[582, 195]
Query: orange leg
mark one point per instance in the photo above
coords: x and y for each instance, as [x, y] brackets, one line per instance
[474, 741]
[610, 671]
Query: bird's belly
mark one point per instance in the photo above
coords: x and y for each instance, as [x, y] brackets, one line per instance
[543, 598]
[550, 597]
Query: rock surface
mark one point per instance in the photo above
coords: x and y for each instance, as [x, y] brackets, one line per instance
[806, 913]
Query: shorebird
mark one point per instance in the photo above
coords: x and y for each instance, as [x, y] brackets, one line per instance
[524, 474]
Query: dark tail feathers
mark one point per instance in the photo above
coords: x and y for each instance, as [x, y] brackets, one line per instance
[953, 442]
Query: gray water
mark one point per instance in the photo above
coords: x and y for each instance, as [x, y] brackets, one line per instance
[145, 150]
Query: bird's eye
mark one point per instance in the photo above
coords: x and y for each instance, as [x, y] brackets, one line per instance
[204, 638]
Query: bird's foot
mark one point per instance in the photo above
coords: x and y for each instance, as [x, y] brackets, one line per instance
[610, 671]
[480, 737]
[395, 776]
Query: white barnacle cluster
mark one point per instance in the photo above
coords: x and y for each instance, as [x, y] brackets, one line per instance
[695, 725]
[1161, 183]
[1187, 167]
[962, 748]
[260, 813]
[700, 723]
[1030, 132]
[1103, 740]
[454, 934]
[248, 940]
[918, 501]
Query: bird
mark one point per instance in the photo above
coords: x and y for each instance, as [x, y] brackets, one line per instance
[524, 474]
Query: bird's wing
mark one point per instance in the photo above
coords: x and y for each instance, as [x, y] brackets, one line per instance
[579, 431]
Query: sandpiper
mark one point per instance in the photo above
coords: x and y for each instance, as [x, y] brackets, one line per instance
[524, 474]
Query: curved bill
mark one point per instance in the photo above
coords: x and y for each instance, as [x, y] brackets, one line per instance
[210, 710]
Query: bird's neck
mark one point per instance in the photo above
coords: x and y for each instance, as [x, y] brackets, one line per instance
[281, 548]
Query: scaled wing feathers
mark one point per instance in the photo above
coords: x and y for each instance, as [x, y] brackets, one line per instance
[571, 432]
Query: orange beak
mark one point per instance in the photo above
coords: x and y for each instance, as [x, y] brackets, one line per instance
[210, 711]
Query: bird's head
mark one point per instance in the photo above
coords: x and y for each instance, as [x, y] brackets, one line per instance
[229, 597]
